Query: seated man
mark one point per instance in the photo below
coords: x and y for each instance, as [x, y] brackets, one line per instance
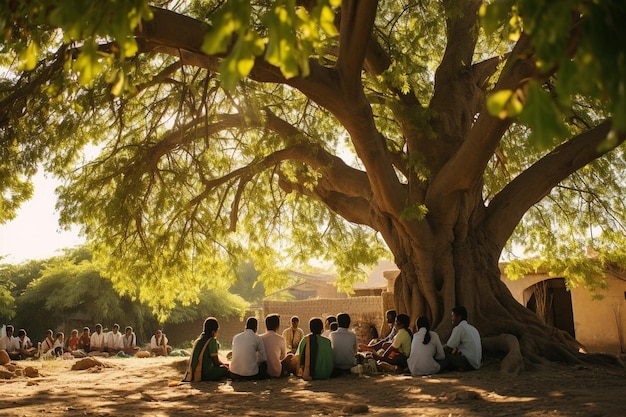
[394, 358]
[130, 341]
[249, 358]
[97, 342]
[158, 344]
[279, 363]
[344, 345]
[25, 346]
[463, 349]
[377, 344]
[327, 325]
[9, 343]
[115, 342]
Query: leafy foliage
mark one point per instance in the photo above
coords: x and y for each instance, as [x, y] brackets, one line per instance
[226, 147]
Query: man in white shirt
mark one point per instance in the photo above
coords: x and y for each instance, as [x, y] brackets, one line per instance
[463, 349]
[249, 358]
[293, 335]
[275, 348]
[97, 342]
[344, 345]
[9, 343]
[115, 342]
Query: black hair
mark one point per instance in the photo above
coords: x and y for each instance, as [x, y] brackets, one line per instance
[210, 327]
[331, 319]
[423, 322]
[316, 325]
[333, 326]
[460, 311]
[272, 321]
[252, 323]
[343, 320]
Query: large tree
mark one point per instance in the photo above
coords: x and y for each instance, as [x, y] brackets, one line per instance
[287, 131]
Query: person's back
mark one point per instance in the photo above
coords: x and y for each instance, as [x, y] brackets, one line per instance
[316, 353]
[344, 344]
[274, 344]
[426, 349]
[248, 351]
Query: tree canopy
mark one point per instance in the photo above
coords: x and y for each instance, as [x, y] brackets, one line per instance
[289, 130]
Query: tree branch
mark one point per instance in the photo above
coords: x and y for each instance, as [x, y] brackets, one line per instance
[357, 22]
[509, 206]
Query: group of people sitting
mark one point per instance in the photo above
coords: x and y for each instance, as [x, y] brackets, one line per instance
[331, 349]
[98, 343]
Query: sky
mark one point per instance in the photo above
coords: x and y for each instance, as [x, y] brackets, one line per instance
[35, 232]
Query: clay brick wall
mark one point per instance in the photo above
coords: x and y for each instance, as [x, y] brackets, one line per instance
[363, 311]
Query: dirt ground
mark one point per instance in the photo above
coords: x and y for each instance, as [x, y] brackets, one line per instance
[141, 387]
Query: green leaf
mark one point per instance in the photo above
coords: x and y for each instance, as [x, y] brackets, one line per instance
[28, 57]
[543, 117]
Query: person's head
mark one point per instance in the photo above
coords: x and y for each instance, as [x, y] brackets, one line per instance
[373, 332]
[116, 328]
[10, 329]
[74, 333]
[329, 320]
[252, 324]
[86, 330]
[343, 320]
[60, 336]
[316, 325]
[391, 316]
[402, 321]
[333, 326]
[98, 328]
[128, 330]
[423, 323]
[272, 321]
[459, 313]
[49, 333]
[158, 333]
[211, 326]
[21, 333]
[295, 321]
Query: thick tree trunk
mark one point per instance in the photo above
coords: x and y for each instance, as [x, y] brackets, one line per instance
[467, 273]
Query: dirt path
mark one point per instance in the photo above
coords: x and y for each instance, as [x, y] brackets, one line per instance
[139, 387]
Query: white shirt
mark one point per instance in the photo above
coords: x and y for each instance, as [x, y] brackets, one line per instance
[130, 341]
[8, 343]
[344, 347]
[248, 351]
[97, 341]
[115, 341]
[422, 358]
[275, 350]
[466, 338]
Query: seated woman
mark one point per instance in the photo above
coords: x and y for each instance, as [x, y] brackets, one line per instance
[395, 357]
[72, 345]
[427, 353]
[205, 364]
[130, 341]
[316, 353]
[84, 340]
[48, 343]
